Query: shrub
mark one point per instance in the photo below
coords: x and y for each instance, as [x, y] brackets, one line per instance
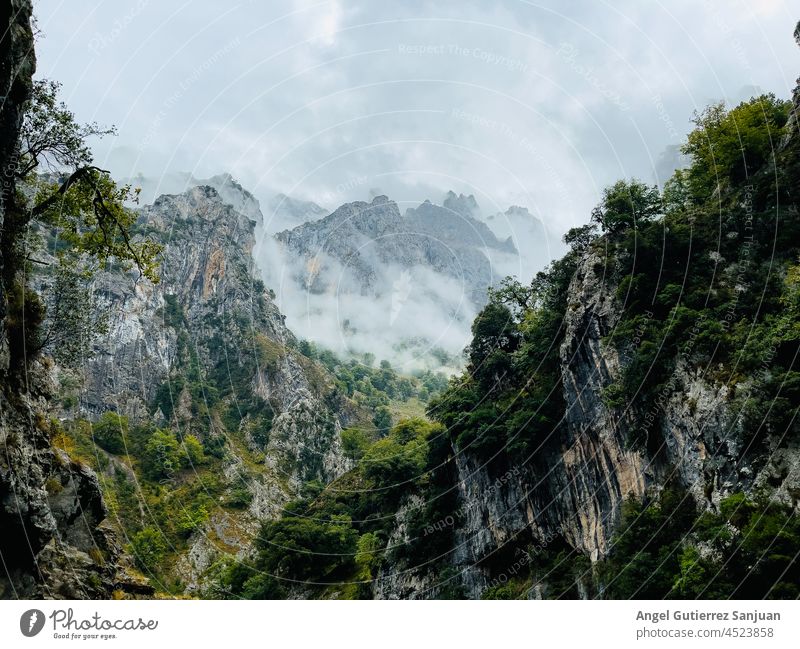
[161, 457]
[148, 548]
[110, 431]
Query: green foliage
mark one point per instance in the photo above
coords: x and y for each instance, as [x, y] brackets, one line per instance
[74, 201]
[172, 312]
[85, 205]
[355, 442]
[748, 550]
[372, 387]
[507, 402]
[729, 146]
[627, 205]
[76, 319]
[240, 498]
[300, 548]
[161, 458]
[382, 420]
[646, 549]
[193, 454]
[339, 533]
[390, 463]
[110, 432]
[192, 518]
[88, 209]
[148, 549]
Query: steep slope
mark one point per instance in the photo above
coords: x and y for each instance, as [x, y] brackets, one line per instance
[204, 355]
[370, 241]
[624, 429]
[685, 402]
[55, 541]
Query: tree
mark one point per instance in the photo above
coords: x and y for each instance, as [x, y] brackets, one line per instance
[148, 548]
[514, 295]
[76, 319]
[728, 146]
[382, 420]
[495, 336]
[399, 458]
[68, 193]
[627, 204]
[192, 451]
[578, 239]
[110, 432]
[161, 456]
[355, 442]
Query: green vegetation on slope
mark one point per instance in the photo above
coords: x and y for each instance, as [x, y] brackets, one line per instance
[706, 273]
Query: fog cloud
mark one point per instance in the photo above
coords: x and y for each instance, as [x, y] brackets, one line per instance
[535, 104]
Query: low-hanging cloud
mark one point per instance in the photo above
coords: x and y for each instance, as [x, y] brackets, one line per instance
[535, 104]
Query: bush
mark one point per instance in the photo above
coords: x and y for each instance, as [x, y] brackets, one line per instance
[110, 432]
[148, 548]
[355, 442]
[161, 457]
[193, 454]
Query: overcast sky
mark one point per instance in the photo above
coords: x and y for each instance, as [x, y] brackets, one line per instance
[532, 103]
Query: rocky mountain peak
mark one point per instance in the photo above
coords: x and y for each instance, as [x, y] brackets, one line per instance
[461, 204]
[284, 212]
[453, 227]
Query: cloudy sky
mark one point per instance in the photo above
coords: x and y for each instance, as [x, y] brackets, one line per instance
[532, 103]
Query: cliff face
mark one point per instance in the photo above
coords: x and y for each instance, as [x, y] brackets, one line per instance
[693, 435]
[55, 539]
[373, 242]
[206, 352]
[209, 308]
[574, 488]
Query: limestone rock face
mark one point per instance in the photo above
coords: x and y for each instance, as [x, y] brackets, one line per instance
[209, 300]
[56, 541]
[574, 487]
[211, 317]
[372, 242]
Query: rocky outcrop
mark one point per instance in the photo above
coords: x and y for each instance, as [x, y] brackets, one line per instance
[398, 581]
[210, 307]
[574, 487]
[55, 541]
[208, 338]
[363, 247]
[793, 125]
[17, 65]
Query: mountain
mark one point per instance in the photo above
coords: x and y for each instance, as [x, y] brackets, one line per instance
[368, 279]
[284, 212]
[369, 242]
[205, 354]
[624, 428]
